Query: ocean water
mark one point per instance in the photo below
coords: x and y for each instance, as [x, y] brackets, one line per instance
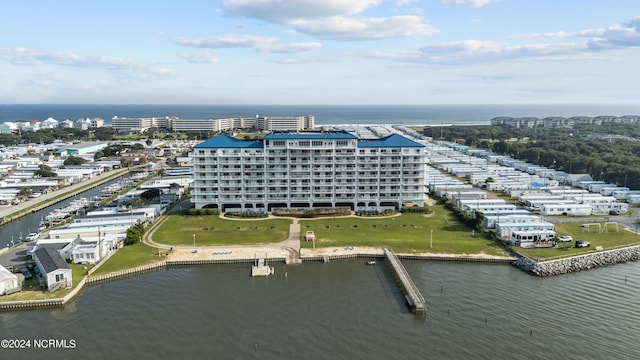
[328, 114]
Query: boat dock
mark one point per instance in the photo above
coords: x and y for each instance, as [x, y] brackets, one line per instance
[260, 268]
[412, 294]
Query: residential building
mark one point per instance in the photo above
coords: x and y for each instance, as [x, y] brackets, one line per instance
[54, 270]
[138, 125]
[259, 123]
[308, 169]
[9, 282]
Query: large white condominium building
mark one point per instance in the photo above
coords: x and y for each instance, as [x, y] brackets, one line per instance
[259, 123]
[138, 125]
[308, 170]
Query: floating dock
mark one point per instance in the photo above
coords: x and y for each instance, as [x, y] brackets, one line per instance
[260, 268]
[412, 294]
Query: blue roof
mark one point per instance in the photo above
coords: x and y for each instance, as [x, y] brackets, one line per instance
[310, 135]
[224, 141]
[393, 140]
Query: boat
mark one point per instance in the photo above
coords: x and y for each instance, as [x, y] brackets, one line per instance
[370, 262]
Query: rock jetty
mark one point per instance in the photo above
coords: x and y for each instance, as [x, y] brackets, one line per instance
[578, 263]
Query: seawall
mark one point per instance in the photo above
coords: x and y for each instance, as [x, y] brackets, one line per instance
[578, 263]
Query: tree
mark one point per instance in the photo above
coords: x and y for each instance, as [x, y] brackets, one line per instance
[44, 171]
[74, 160]
[134, 234]
[24, 191]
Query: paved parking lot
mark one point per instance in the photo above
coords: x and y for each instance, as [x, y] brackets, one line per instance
[15, 257]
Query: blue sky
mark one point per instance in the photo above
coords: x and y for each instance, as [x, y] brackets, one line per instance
[320, 52]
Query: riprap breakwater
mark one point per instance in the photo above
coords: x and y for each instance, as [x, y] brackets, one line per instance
[578, 263]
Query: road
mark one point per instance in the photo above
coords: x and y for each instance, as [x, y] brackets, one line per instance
[15, 256]
[8, 210]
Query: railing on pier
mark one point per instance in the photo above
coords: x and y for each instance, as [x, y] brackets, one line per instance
[412, 294]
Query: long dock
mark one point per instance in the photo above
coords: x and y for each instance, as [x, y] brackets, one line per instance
[412, 294]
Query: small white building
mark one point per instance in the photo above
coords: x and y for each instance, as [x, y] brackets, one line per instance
[504, 230]
[567, 209]
[86, 253]
[54, 270]
[9, 282]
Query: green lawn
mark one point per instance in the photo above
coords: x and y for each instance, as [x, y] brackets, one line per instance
[407, 233]
[608, 240]
[212, 230]
[129, 257]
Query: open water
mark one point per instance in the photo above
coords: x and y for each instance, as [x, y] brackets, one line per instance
[327, 114]
[343, 310]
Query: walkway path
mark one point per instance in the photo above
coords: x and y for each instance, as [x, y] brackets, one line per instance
[288, 249]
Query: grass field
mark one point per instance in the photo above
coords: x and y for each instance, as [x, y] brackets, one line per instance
[129, 257]
[608, 240]
[212, 230]
[407, 233]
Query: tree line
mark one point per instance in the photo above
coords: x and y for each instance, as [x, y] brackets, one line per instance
[569, 150]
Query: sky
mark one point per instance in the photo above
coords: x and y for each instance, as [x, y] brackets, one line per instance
[320, 52]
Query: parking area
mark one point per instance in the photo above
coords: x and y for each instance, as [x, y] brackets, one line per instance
[15, 257]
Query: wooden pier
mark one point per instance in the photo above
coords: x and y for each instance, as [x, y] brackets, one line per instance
[412, 294]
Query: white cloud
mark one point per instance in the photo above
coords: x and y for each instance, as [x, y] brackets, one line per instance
[225, 41]
[343, 28]
[474, 3]
[616, 36]
[558, 48]
[300, 60]
[25, 56]
[331, 19]
[122, 67]
[290, 48]
[485, 51]
[200, 58]
[259, 43]
[284, 11]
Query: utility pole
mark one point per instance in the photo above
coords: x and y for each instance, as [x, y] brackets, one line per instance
[431, 239]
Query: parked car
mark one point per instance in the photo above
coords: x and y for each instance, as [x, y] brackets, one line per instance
[614, 212]
[565, 238]
[26, 273]
[582, 243]
[32, 236]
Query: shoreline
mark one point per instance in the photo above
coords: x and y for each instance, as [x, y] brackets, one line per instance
[247, 254]
[235, 255]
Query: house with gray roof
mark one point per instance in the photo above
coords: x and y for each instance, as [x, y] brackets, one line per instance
[54, 270]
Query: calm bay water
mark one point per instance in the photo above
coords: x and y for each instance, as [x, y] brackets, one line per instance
[344, 310]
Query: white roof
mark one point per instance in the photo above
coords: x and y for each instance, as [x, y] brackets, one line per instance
[6, 274]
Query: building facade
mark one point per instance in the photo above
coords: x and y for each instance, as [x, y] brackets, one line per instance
[308, 170]
[259, 123]
[138, 125]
